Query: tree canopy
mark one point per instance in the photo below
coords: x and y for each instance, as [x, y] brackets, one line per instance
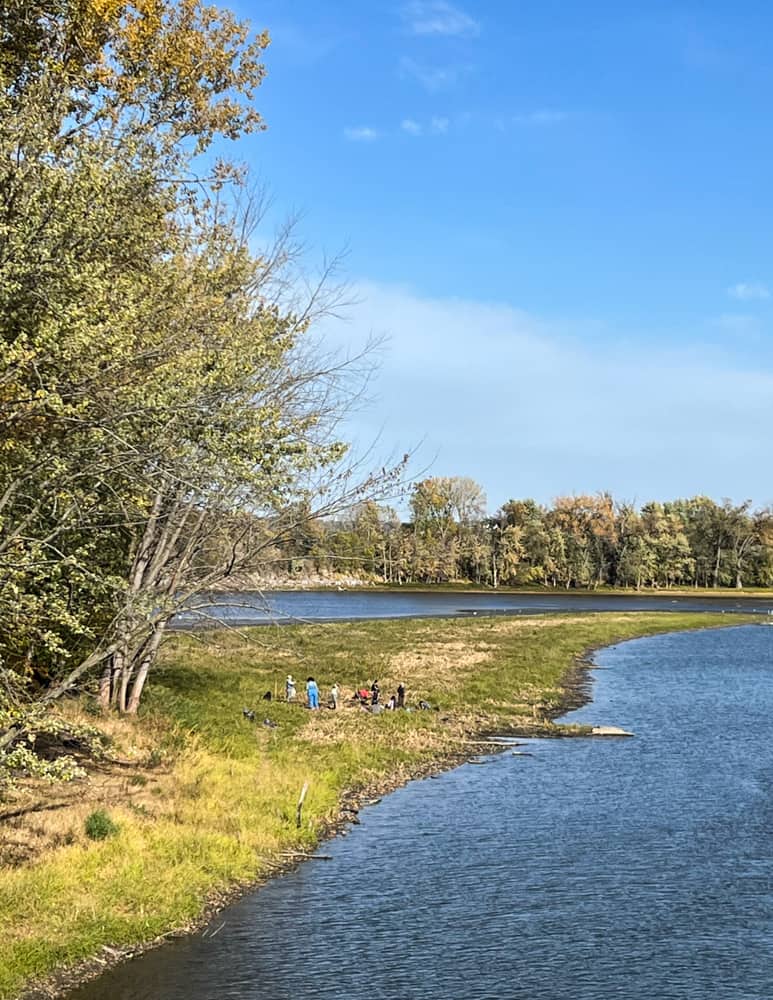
[578, 541]
[165, 412]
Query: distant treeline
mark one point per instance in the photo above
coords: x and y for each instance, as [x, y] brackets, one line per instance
[578, 541]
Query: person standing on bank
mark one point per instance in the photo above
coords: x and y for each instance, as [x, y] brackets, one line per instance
[374, 693]
[401, 695]
[312, 693]
[290, 688]
[334, 697]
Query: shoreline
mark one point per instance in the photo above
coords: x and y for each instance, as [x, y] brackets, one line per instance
[575, 691]
[369, 586]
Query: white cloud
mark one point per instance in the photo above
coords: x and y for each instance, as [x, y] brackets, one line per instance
[432, 78]
[436, 17]
[749, 291]
[411, 127]
[363, 134]
[531, 407]
[542, 117]
[439, 126]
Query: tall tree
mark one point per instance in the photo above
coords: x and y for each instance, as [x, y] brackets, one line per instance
[154, 386]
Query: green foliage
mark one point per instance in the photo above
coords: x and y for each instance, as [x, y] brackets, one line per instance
[156, 392]
[98, 102]
[99, 826]
[42, 744]
[93, 241]
[22, 761]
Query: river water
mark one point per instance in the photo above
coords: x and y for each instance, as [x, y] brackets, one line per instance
[330, 605]
[638, 869]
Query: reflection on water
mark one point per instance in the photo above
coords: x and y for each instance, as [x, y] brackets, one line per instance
[304, 605]
[596, 869]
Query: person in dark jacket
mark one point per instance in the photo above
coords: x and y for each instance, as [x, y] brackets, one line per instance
[374, 693]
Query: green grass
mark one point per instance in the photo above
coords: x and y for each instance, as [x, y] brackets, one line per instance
[229, 805]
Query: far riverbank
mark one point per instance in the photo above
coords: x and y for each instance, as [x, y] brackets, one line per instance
[253, 583]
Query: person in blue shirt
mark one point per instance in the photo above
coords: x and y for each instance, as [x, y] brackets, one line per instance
[312, 693]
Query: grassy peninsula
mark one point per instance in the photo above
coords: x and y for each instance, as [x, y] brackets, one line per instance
[204, 800]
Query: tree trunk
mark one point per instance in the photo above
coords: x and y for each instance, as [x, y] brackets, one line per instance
[116, 668]
[148, 656]
[122, 689]
[103, 698]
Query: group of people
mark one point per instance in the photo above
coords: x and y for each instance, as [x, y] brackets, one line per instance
[372, 698]
[367, 698]
[312, 693]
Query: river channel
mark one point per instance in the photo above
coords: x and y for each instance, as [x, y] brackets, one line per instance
[594, 869]
[252, 608]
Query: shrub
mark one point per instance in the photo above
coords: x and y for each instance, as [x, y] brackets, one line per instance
[99, 826]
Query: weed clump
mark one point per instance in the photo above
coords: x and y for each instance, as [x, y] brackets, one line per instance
[99, 826]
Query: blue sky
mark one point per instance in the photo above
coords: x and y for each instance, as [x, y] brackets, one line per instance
[559, 215]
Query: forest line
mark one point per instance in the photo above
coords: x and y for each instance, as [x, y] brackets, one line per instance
[577, 541]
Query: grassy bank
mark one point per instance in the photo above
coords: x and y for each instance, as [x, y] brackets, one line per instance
[205, 800]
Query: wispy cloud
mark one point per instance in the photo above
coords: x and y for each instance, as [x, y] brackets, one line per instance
[432, 362]
[541, 117]
[432, 78]
[437, 125]
[749, 291]
[362, 134]
[436, 17]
